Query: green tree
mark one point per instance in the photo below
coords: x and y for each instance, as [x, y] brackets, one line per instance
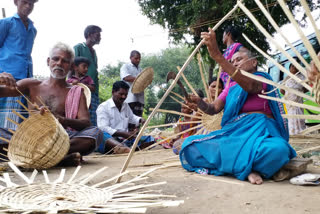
[185, 18]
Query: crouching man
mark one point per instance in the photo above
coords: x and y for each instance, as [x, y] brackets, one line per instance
[65, 101]
[114, 117]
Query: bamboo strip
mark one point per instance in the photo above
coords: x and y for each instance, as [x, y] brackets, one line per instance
[270, 82]
[178, 95]
[11, 131]
[301, 116]
[111, 179]
[181, 103]
[188, 84]
[19, 115]
[218, 82]
[308, 150]
[14, 122]
[277, 28]
[139, 187]
[93, 175]
[5, 149]
[33, 175]
[4, 160]
[7, 180]
[172, 136]
[125, 165]
[61, 176]
[310, 129]
[45, 175]
[4, 155]
[18, 101]
[24, 97]
[200, 131]
[260, 27]
[74, 175]
[18, 172]
[176, 112]
[283, 69]
[289, 102]
[205, 84]
[171, 124]
[313, 23]
[304, 39]
[5, 140]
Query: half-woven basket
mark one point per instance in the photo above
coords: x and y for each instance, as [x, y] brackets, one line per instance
[87, 93]
[143, 80]
[212, 122]
[39, 142]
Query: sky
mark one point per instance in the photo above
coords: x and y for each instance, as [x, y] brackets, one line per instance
[124, 28]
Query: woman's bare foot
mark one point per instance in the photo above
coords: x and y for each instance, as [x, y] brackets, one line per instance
[73, 159]
[255, 178]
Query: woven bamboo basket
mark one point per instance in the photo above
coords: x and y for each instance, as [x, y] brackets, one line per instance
[143, 80]
[212, 122]
[39, 142]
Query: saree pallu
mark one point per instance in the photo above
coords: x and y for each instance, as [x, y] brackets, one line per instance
[246, 142]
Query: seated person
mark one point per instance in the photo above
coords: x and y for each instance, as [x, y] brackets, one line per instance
[79, 73]
[313, 73]
[58, 95]
[212, 88]
[253, 142]
[114, 117]
[182, 127]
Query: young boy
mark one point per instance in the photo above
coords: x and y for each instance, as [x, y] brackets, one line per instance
[79, 75]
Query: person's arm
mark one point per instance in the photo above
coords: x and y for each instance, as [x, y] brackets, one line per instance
[83, 118]
[248, 84]
[207, 108]
[9, 86]
[90, 84]
[125, 75]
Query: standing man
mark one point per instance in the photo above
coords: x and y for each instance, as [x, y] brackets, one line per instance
[92, 34]
[17, 35]
[128, 73]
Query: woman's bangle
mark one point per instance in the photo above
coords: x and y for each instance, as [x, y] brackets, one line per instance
[234, 73]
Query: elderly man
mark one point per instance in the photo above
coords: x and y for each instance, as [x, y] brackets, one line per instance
[128, 73]
[92, 34]
[253, 142]
[114, 116]
[60, 98]
[17, 34]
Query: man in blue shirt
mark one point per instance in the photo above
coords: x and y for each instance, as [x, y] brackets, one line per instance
[16, 42]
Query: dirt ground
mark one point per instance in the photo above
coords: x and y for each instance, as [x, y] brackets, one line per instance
[203, 193]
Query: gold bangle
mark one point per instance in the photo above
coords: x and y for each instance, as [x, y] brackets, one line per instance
[234, 73]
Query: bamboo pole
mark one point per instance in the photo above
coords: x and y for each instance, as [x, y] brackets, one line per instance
[178, 95]
[205, 84]
[303, 151]
[177, 113]
[301, 116]
[270, 82]
[260, 27]
[171, 124]
[125, 165]
[310, 129]
[313, 23]
[283, 69]
[218, 83]
[277, 28]
[289, 102]
[181, 103]
[188, 84]
[301, 34]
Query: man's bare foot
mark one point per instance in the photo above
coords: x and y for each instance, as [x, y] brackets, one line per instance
[73, 159]
[121, 150]
[255, 178]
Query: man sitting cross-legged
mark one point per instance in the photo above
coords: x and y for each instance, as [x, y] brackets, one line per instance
[67, 103]
[114, 117]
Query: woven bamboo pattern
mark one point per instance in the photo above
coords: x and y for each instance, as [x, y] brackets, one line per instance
[39, 142]
[76, 196]
[316, 89]
[143, 80]
[212, 122]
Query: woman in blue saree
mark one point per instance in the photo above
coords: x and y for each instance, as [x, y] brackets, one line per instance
[253, 142]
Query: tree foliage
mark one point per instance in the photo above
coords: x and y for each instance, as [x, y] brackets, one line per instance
[190, 17]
